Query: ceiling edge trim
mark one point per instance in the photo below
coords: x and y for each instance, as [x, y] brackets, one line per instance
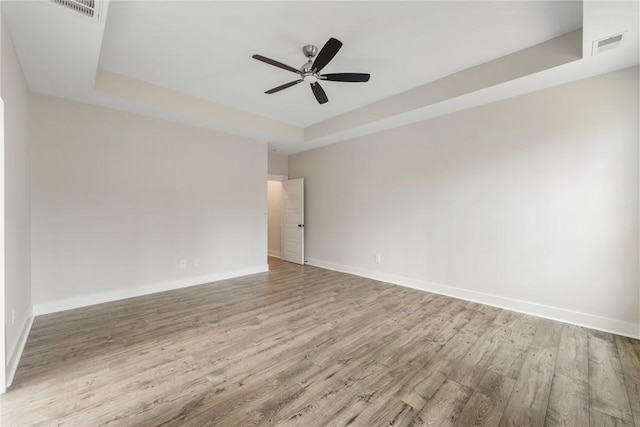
[552, 53]
[143, 93]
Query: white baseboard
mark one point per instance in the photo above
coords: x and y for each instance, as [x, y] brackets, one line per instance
[102, 297]
[15, 353]
[273, 253]
[618, 327]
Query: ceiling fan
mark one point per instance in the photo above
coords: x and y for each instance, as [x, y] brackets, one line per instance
[310, 71]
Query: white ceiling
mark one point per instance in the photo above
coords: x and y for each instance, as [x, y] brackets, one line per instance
[204, 48]
[191, 61]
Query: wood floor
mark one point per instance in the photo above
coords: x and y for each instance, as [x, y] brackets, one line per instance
[302, 346]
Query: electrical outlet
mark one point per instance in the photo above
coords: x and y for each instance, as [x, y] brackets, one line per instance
[196, 262]
[378, 258]
[13, 316]
[183, 263]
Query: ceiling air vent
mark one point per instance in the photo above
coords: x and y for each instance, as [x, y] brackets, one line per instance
[607, 43]
[84, 7]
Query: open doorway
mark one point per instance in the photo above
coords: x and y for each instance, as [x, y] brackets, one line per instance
[274, 218]
[285, 220]
[285, 211]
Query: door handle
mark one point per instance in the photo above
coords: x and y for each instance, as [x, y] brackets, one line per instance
[301, 225]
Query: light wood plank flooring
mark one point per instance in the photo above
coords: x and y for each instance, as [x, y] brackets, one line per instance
[302, 346]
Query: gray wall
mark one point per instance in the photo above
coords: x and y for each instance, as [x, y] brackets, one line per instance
[278, 164]
[529, 203]
[15, 94]
[118, 200]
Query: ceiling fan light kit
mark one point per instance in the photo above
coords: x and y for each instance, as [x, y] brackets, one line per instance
[310, 71]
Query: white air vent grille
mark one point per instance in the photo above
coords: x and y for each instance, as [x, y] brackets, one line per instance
[608, 43]
[85, 7]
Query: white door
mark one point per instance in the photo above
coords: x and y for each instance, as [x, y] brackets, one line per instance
[292, 248]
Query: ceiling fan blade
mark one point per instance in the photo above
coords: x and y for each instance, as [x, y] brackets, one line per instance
[326, 54]
[346, 77]
[275, 63]
[318, 92]
[284, 86]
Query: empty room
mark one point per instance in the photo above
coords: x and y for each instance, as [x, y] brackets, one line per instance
[320, 213]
